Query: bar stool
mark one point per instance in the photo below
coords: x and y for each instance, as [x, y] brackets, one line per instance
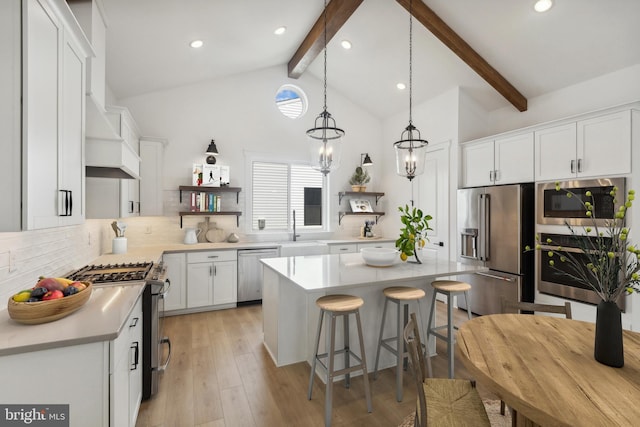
[334, 306]
[449, 288]
[402, 296]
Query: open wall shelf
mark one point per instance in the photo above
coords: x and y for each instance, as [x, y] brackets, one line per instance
[216, 190]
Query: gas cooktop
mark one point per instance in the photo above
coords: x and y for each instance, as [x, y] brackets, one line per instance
[109, 273]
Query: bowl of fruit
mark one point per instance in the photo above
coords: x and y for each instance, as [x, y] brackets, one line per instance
[52, 298]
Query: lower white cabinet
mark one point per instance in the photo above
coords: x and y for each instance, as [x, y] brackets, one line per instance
[176, 297]
[344, 248]
[100, 381]
[212, 278]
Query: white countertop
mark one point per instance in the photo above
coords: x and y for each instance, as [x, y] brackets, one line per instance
[103, 315]
[340, 271]
[101, 318]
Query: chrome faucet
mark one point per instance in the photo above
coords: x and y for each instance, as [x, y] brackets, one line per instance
[295, 236]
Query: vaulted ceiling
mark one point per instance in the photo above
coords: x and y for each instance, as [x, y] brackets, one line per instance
[532, 53]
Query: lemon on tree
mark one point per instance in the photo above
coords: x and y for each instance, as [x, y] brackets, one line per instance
[415, 225]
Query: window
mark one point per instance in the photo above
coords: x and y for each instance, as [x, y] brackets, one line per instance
[281, 188]
[291, 101]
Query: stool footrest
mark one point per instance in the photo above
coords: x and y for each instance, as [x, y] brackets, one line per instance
[358, 367]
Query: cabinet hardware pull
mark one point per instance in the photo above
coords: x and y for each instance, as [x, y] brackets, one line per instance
[496, 175]
[579, 165]
[573, 166]
[490, 175]
[210, 270]
[167, 341]
[134, 322]
[136, 355]
[130, 206]
[493, 276]
[212, 256]
[215, 270]
[70, 203]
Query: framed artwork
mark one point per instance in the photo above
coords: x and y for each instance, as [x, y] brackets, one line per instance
[360, 205]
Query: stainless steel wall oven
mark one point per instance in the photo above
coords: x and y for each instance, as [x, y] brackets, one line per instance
[554, 282]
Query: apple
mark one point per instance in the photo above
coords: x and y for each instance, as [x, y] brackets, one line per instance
[50, 284]
[55, 294]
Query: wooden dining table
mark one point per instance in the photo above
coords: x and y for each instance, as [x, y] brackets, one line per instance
[543, 368]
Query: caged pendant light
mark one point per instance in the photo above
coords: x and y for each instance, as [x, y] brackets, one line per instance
[411, 148]
[325, 137]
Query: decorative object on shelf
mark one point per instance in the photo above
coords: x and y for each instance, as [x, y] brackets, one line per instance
[191, 236]
[365, 160]
[204, 229]
[360, 205]
[413, 234]
[207, 201]
[608, 265]
[212, 152]
[411, 148]
[224, 176]
[325, 137]
[215, 234]
[359, 178]
[233, 238]
[261, 223]
[211, 175]
[196, 175]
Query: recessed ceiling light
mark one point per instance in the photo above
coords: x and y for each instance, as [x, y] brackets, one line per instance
[196, 44]
[280, 31]
[401, 86]
[346, 44]
[543, 5]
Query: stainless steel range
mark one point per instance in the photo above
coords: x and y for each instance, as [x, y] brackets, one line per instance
[157, 285]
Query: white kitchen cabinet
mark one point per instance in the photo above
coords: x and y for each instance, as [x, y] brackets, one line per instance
[597, 146]
[126, 371]
[55, 51]
[100, 381]
[176, 298]
[500, 160]
[343, 248]
[212, 278]
[376, 245]
[151, 175]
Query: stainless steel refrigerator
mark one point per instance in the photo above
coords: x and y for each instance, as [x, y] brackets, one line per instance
[494, 226]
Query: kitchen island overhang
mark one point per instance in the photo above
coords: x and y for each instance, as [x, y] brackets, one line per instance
[291, 285]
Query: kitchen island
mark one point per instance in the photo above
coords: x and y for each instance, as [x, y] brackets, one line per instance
[291, 285]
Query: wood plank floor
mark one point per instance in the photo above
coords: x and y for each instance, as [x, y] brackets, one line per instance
[221, 375]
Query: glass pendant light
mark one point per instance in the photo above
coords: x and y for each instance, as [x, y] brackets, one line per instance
[325, 137]
[411, 148]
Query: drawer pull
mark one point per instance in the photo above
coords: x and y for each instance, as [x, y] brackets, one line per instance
[134, 322]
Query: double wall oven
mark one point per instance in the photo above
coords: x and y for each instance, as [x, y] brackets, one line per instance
[156, 287]
[555, 212]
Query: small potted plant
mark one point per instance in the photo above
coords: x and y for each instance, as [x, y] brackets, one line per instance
[413, 234]
[359, 178]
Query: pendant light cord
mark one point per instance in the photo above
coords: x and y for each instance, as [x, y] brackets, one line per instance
[325, 54]
[410, 59]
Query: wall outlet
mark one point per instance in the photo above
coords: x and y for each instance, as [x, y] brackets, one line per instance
[89, 238]
[147, 230]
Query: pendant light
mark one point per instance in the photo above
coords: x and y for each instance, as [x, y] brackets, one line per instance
[325, 137]
[411, 148]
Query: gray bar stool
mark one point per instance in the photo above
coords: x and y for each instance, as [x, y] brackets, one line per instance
[402, 296]
[334, 306]
[449, 288]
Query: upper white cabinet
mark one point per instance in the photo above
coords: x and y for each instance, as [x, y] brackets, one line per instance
[151, 175]
[47, 52]
[500, 160]
[586, 148]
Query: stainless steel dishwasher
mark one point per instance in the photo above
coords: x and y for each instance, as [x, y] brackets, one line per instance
[250, 273]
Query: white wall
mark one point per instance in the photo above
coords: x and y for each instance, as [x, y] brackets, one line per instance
[619, 87]
[239, 112]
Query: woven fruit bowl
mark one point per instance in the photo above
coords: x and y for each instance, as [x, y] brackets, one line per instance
[33, 313]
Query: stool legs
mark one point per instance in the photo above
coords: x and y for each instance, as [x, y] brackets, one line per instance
[384, 315]
[365, 375]
[315, 354]
[450, 333]
[331, 371]
[431, 315]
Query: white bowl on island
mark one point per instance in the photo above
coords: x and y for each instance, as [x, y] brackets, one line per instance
[380, 257]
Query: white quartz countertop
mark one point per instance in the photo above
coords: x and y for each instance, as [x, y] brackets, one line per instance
[340, 271]
[101, 318]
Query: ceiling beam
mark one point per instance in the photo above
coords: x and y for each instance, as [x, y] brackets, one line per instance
[338, 11]
[453, 41]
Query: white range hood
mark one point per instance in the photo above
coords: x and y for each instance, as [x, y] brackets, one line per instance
[107, 154]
